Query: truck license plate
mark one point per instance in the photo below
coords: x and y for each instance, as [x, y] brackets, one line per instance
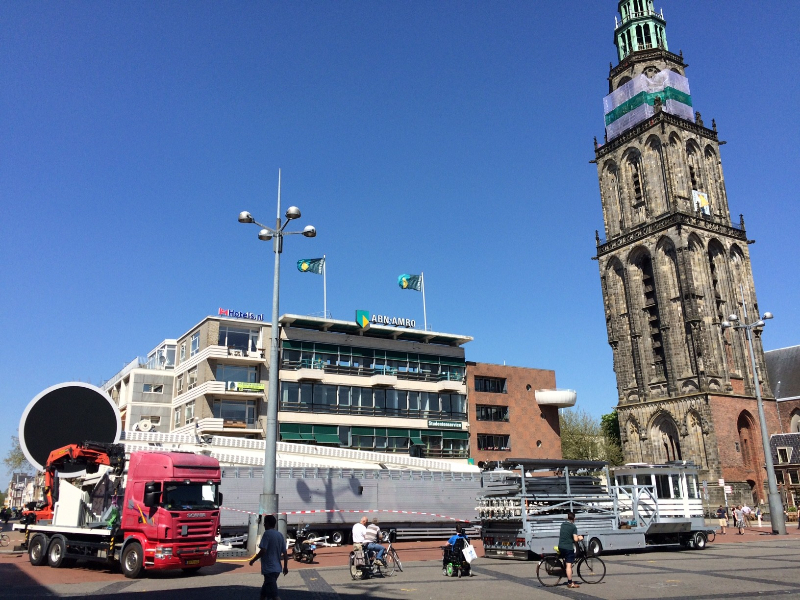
[194, 561]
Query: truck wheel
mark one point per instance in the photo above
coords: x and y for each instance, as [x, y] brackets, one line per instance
[700, 540]
[385, 535]
[312, 535]
[37, 550]
[337, 537]
[595, 547]
[56, 552]
[132, 560]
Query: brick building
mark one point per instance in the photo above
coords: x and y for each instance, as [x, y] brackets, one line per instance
[783, 366]
[673, 267]
[505, 417]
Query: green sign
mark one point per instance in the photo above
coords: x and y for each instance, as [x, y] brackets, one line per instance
[255, 387]
[445, 424]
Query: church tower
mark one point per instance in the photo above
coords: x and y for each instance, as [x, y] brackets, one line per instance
[673, 267]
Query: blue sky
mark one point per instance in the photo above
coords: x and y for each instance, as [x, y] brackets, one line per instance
[452, 138]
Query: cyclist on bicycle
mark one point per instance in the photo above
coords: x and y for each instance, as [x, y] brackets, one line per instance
[371, 537]
[566, 545]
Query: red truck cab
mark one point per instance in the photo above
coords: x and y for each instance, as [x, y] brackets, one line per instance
[170, 512]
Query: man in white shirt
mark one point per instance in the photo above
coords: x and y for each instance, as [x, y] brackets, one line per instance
[746, 511]
[360, 531]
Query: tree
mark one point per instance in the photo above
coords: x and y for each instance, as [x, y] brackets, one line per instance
[15, 460]
[583, 438]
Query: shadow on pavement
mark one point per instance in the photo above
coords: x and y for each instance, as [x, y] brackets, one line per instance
[16, 583]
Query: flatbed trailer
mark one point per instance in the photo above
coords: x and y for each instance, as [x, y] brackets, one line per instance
[624, 508]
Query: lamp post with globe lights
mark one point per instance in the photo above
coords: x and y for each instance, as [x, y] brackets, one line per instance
[268, 501]
[776, 516]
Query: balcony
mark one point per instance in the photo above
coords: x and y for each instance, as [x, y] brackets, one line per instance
[372, 411]
[213, 425]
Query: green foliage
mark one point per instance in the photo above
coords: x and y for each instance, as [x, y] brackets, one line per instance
[15, 460]
[583, 437]
[610, 425]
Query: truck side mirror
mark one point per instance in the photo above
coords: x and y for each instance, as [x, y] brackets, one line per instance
[152, 494]
[219, 499]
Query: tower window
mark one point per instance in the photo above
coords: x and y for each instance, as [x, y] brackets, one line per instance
[637, 186]
[639, 37]
[637, 6]
[693, 177]
[648, 40]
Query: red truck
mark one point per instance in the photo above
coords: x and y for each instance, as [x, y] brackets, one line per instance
[155, 510]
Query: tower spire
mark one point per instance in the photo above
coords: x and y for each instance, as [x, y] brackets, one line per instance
[641, 28]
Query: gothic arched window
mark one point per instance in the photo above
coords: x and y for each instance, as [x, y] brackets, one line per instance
[666, 441]
[746, 428]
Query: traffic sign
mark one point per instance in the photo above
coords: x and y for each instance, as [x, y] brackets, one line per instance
[721, 482]
[728, 489]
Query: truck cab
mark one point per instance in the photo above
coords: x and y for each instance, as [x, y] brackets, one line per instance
[170, 512]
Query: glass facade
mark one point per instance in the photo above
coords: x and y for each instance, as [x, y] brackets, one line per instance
[323, 398]
[348, 360]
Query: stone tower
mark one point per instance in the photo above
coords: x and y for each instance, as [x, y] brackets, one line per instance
[672, 267]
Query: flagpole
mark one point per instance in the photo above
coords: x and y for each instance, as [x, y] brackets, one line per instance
[424, 311]
[324, 287]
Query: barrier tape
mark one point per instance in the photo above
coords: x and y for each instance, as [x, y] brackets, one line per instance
[311, 512]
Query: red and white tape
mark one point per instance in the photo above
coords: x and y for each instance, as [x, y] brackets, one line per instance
[311, 512]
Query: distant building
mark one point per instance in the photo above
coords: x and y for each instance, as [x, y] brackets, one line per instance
[21, 490]
[143, 390]
[786, 458]
[783, 366]
[506, 420]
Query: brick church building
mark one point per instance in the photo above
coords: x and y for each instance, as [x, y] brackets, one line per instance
[673, 266]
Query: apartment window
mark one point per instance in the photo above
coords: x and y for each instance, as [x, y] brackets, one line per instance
[190, 412]
[154, 419]
[153, 388]
[239, 338]
[494, 442]
[237, 411]
[179, 385]
[793, 478]
[195, 343]
[491, 413]
[183, 351]
[495, 385]
[784, 455]
[779, 477]
[177, 417]
[240, 373]
[191, 379]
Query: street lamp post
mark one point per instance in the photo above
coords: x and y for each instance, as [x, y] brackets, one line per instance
[268, 501]
[775, 505]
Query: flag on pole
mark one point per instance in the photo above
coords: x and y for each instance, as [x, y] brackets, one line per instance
[410, 282]
[311, 265]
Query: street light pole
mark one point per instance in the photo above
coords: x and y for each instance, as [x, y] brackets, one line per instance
[776, 517]
[268, 500]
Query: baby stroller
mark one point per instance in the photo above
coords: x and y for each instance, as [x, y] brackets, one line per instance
[453, 561]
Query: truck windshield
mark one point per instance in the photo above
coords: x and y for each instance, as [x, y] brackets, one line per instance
[189, 496]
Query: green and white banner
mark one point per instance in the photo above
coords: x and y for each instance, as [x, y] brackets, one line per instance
[633, 102]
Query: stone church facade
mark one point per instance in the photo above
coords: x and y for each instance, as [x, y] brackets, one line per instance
[671, 270]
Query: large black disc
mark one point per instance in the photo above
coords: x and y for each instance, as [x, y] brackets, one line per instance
[67, 413]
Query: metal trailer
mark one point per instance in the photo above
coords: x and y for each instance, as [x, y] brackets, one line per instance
[408, 504]
[627, 508]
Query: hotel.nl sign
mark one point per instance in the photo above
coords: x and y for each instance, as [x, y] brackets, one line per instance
[229, 312]
[444, 424]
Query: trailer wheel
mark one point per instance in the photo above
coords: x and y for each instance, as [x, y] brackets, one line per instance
[595, 547]
[700, 540]
[37, 550]
[337, 537]
[385, 536]
[132, 560]
[312, 535]
[56, 552]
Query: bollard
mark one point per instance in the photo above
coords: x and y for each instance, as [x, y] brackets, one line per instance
[252, 534]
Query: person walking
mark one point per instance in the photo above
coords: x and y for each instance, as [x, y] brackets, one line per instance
[372, 535]
[723, 519]
[270, 550]
[567, 538]
[746, 511]
[738, 517]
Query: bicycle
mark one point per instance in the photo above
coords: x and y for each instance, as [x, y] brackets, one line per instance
[552, 568]
[370, 566]
[4, 540]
